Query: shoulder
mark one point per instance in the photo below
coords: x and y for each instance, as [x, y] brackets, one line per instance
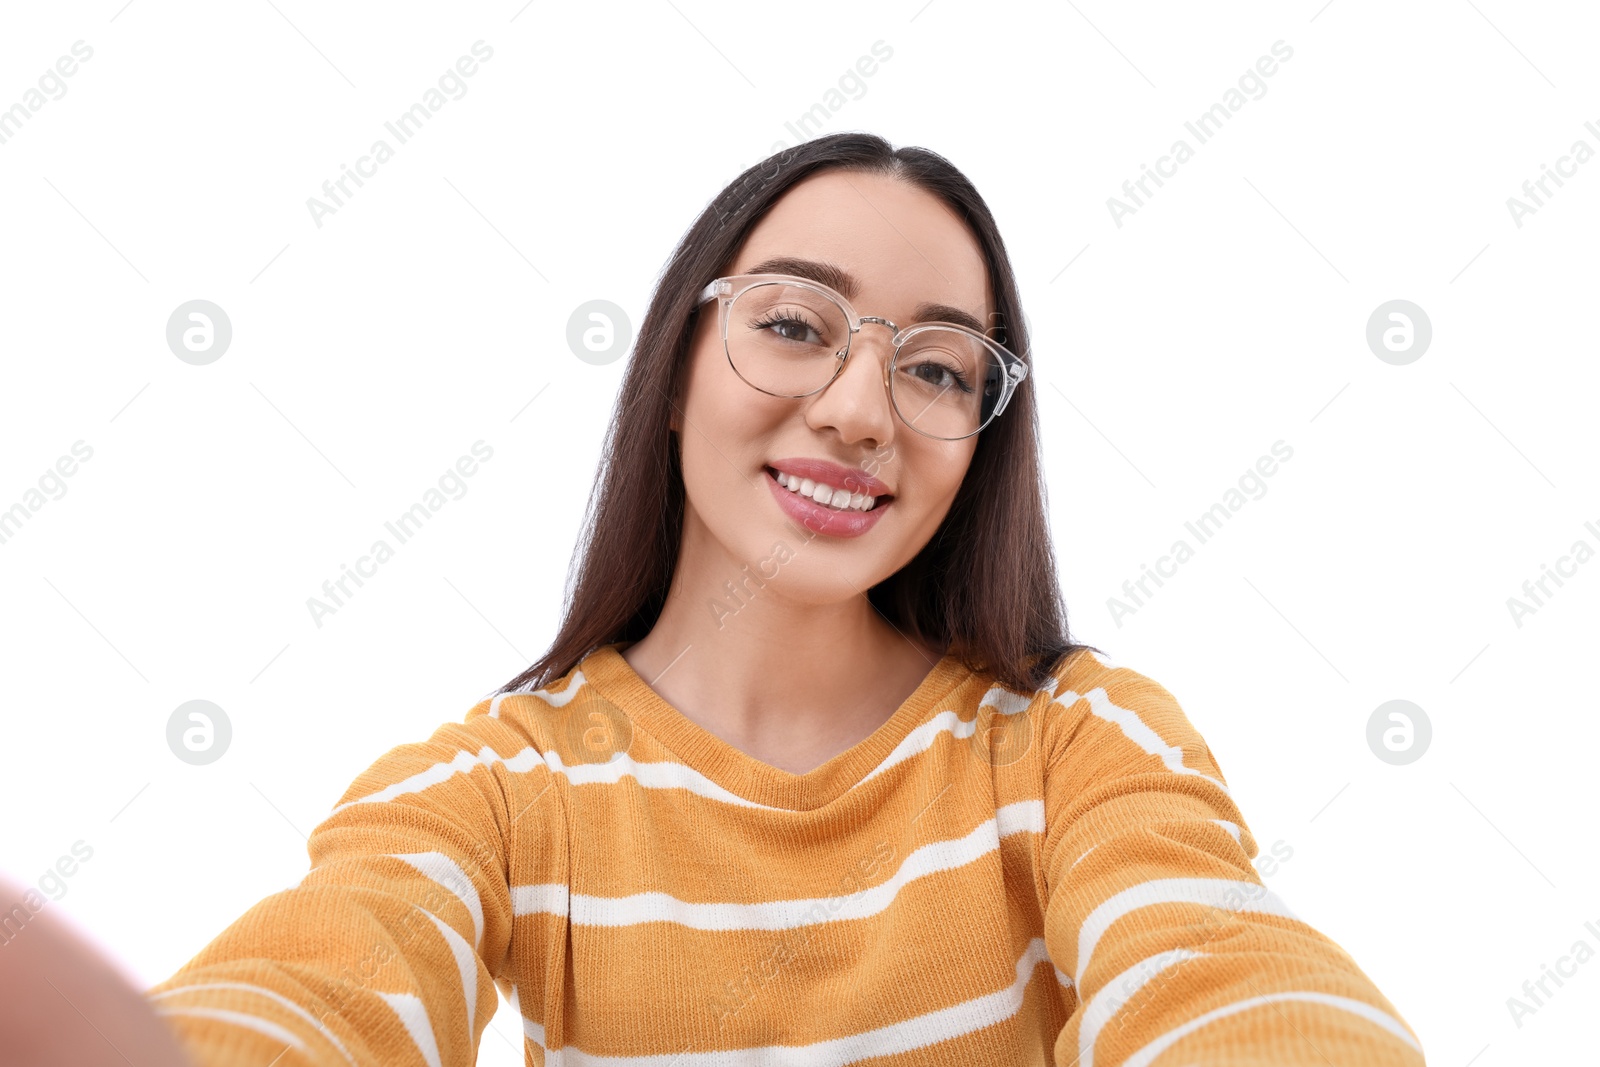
[529, 708]
[1085, 670]
[563, 720]
[530, 699]
[1092, 699]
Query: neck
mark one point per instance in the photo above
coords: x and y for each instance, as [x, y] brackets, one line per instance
[736, 650]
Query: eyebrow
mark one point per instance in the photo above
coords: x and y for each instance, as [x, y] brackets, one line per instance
[838, 278]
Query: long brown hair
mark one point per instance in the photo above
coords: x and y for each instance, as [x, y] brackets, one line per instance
[985, 583]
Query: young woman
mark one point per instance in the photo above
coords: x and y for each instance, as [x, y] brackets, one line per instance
[811, 773]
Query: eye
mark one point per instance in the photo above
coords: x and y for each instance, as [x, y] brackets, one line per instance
[941, 377]
[790, 328]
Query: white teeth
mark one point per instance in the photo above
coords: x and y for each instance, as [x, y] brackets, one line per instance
[827, 495]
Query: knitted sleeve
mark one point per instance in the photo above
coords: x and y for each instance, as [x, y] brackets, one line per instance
[1176, 951]
[387, 951]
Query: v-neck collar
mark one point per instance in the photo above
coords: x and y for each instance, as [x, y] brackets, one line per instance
[742, 774]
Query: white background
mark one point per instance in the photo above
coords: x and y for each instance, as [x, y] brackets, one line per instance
[1228, 313]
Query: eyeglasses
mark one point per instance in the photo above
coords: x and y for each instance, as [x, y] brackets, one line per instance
[790, 337]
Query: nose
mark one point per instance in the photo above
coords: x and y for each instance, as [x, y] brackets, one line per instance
[856, 402]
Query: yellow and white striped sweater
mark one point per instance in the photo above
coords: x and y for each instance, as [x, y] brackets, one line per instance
[989, 878]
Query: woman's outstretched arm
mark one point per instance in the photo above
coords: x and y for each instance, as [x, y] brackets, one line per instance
[1174, 947]
[387, 951]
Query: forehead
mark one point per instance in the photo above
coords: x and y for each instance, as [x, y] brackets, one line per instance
[902, 245]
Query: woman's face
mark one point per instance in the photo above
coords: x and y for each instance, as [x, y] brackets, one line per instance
[900, 248]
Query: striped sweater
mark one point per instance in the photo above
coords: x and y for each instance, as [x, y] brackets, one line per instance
[991, 877]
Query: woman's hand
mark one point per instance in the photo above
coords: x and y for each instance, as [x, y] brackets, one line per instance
[64, 1001]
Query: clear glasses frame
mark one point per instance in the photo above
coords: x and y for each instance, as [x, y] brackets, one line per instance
[728, 289]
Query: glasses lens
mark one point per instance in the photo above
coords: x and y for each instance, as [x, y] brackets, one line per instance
[785, 339]
[946, 382]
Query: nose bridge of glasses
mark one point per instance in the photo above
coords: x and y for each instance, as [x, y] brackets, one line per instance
[889, 342]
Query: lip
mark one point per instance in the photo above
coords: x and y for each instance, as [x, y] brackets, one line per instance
[820, 519]
[852, 480]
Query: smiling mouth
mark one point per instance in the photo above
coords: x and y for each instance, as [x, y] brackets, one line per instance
[809, 489]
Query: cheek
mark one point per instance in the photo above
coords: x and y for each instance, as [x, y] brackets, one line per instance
[712, 385]
[942, 471]
[938, 505]
[725, 425]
